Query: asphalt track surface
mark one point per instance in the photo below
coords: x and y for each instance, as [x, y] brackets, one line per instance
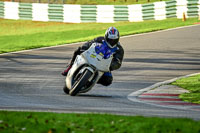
[31, 80]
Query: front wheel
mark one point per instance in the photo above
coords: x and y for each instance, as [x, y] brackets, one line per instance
[81, 82]
[65, 89]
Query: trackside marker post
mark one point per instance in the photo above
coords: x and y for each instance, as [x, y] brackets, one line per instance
[184, 17]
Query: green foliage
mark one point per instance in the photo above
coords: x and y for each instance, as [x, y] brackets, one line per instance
[98, 123]
[193, 85]
[18, 35]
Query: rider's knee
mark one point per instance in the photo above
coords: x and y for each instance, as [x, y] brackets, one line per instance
[106, 80]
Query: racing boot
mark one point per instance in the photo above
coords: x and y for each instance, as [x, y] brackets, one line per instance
[67, 70]
[77, 52]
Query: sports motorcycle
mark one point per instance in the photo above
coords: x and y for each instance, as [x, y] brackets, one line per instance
[88, 68]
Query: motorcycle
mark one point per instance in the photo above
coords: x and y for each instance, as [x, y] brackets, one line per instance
[88, 68]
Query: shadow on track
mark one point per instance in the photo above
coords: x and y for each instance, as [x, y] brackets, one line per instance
[100, 96]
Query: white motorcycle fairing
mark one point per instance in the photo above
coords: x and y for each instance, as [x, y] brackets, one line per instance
[92, 60]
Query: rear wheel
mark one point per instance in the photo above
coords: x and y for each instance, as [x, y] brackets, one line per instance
[81, 82]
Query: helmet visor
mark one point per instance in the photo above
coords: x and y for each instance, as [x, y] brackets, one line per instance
[112, 42]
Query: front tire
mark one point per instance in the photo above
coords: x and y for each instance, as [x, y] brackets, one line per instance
[81, 82]
[65, 89]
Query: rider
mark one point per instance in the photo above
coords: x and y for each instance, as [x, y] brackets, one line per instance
[112, 39]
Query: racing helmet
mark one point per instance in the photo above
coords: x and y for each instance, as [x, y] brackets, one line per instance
[112, 37]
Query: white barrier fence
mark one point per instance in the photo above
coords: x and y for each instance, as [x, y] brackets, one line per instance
[99, 13]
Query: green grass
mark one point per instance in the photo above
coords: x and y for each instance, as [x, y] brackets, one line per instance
[18, 35]
[17, 122]
[193, 85]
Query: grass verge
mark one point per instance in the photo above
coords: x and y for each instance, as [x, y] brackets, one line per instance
[18, 35]
[64, 123]
[193, 85]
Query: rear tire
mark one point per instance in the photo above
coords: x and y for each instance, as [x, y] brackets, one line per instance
[81, 82]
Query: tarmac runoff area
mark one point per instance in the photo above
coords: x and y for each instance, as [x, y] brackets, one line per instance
[164, 95]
